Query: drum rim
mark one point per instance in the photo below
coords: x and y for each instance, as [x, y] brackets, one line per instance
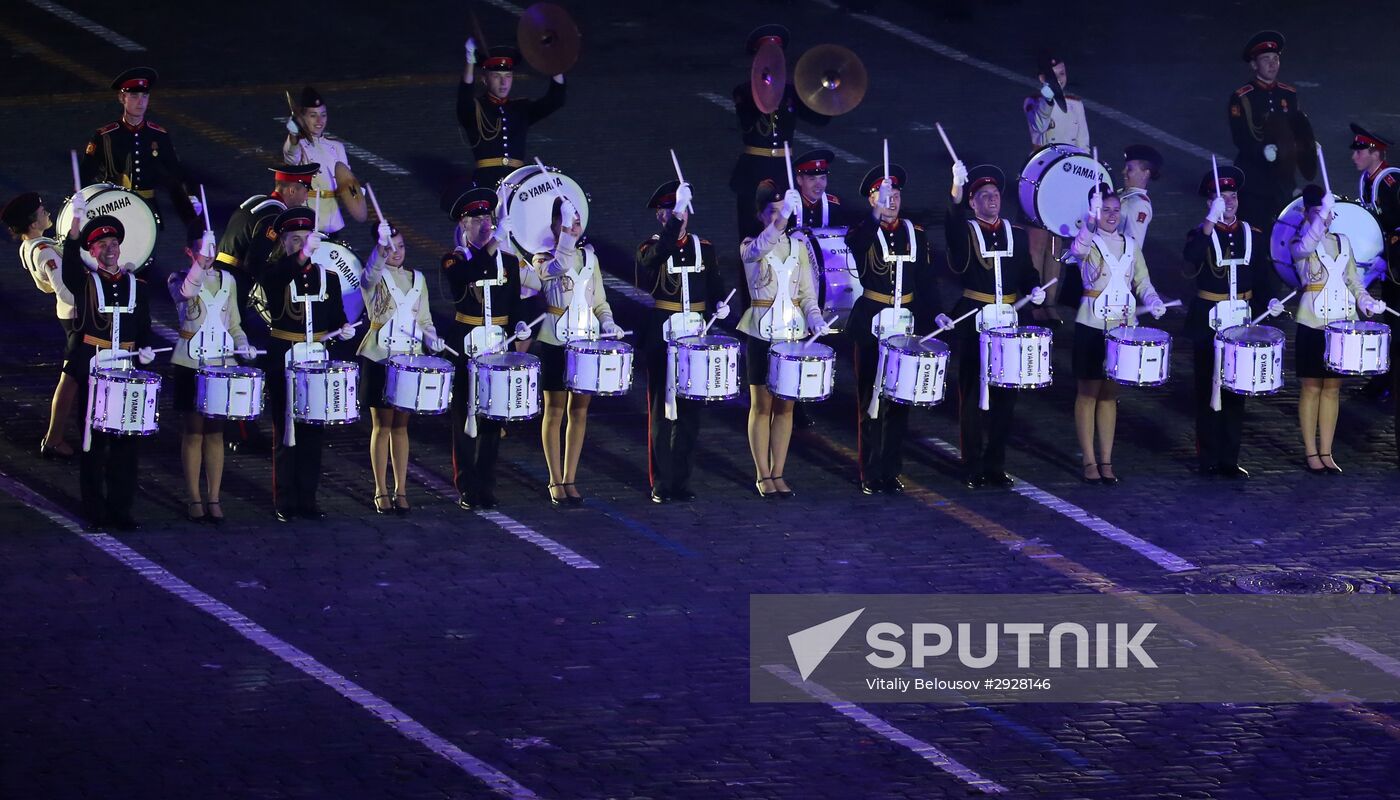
[1165, 340]
[402, 367]
[333, 365]
[938, 347]
[1372, 328]
[1275, 336]
[116, 375]
[1034, 332]
[829, 355]
[602, 345]
[725, 343]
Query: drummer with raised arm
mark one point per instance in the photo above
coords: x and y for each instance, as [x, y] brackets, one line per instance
[308, 143]
[497, 125]
[1112, 269]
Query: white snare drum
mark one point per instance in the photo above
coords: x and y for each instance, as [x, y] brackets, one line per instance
[1054, 187]
[836, 271]
[1358, 348]
[1017, 357]
[136, 217]
[1137, 356]
[1351, 220]
[707, 367]
[602, 366]
[507, 386]
[340, 261]
[418, 384]
[229, 392]
[1252, 359]
[326, 392]
[916, 372]
[124, 401]
[800, 370]
[526, 203]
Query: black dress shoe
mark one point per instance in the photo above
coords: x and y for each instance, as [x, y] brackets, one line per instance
[311, 512]
[1233, 471]
[999, 480]
[487, 500]
[682, 495]
[466, 502]
[871, 487]
[124, 523]
[894, 485]
[1208, 471]
[283, 516]
[974, 481]
[660, 497]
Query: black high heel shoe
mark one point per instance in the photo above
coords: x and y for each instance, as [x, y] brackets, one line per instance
[209, 506]
[572, 499]
[557, 501]
[1322, 470]
[1086, 478]
[1105, 479]
[758, 484]
[783, 494]
[378, 509]
[1332, 469]
[190, 508]
[401, 510]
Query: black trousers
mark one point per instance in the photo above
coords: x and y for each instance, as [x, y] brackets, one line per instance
[1390, 293]
[473, 458]
[1218, 433]
[984, 434]
[296, 470]
[670, 443]
[107, 477]
[880, 441]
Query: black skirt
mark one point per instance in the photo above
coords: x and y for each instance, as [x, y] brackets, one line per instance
[184, 386]
[1310, 353]
[553, 360]
[372, 378]
[756, 360]
[1090, 347]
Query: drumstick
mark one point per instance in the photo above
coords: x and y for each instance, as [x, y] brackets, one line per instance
[715, 315]
[954, 325]
[77, 181]
[251, 352]
[369, 190]
[1261, 317]
[204, 203]
[1171, 304]
[424, 340]
[814, 336]
[1390, 310]
[1022, 302]
[540, 164]
[1322, 165]
[787, 156]
[677, 164]
[1215, 172]
[946, 143]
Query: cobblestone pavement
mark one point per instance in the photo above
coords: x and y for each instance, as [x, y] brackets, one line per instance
[602, 652]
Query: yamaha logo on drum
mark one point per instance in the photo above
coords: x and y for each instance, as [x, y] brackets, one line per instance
[107, 208]
[547, 186]
[1083, 172]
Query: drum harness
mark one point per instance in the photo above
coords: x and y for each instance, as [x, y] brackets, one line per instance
[289, 439]
[113, 359]
[1230, 265]
[680, 324]
[984, 400]
[491, 337]
[890, 322]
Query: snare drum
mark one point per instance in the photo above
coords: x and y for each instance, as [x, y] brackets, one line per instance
[1054, 187]
[229, 392]
[1251, 362]
[1137, 356]
[124, 401]
[1017, 357]
[601, 366]
[706, 367]
[916, 372]
[1358, 348]
[800, 370]
[507, 386]
[418, 384]
[326, 392]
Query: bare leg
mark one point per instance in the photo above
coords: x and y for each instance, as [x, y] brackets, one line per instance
[573, 439]
[1106, 420]
[382, 420]
[191, 454]
[760, 421]
[398, 456]
[555, 405]
[1328, 409]
[1309, 398]
[213, 466]
[60, 408]
[1085, 401]
[779, 437]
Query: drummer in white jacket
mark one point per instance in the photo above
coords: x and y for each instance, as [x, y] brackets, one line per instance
[400, 323]
[1113, 270]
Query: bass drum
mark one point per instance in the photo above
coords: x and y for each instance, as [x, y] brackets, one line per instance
[1054, 187]
[135, 215]
[1351, 220]
[526, 204]
[340, 261]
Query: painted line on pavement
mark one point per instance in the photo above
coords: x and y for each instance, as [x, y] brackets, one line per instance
[106, 34]
[1387, 664]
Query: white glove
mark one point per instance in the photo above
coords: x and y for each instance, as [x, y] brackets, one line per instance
[567, 213]
[944, 322]
[346, 332]
[1038, 295]
[611, 329]
[198, 206]
[816, 324]
[502, 235]
[886, 193]
[722, 310]
[1328, 202]
[959, 174]
[383, 233]
[1095, 203]
[433, 343]
[207, 247]
[79, 206]
[1217, 210]
[1158, 309]
[1270, 152]
[1371, 305]
[471, 50]
[292, 128]
[1275, 306]
[683, 198]
[146, 355]
[522, 331]
[308, 248]
[1047, 92]
[791, 202]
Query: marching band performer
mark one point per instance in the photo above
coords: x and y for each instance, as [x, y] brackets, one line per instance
[671, 265]
[289, 273]
[491, 117]
[211, 328]
[137, 154]
[784, 307]
[1378, 189]
[1112, 269]
[109, 466]
[578, 309]
[992, 260]
[1221, 254]
[894, 260]
[1332, 289]
[400, 323]
[308, 143]
[820, 208]
[27, 220]
[1141, 165]
[483, 276]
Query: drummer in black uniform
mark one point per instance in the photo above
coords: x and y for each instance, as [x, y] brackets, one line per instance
[296, 468]
[969, 256]
[466, 267]
[1380, 193]
[660, 262]
[497, 126]
[764, 135]
[1218, 433]
[880, 240]
[135, 153]
[820, 208]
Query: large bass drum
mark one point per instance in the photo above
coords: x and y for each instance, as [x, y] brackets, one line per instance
[341, 261]
[135, 215]
[1054, 187]
[1350, 219]
[526, 203]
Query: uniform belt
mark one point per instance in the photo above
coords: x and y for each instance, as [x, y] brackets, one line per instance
[96, 342]
[1314, 287]
[322, 193]
[1090, 294]
[769, 304]
[1220, 298]
[290, 336]
[983, 297]
[668, 305]
[226, 258]
[472, 319]
[374, 326]
[556, 310]
[887, 299]
[767, 152]
[499, 162]
[186, 334]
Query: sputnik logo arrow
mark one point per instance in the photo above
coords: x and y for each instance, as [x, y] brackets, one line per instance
[811, 645]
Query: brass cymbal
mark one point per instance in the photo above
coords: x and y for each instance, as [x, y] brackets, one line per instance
[548, 38]
[768, 77]
[830, 79]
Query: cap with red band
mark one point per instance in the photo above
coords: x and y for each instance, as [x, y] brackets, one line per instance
[300, 218]
[1263, 42]
[136, 79]
[101, 227]
[814, 162]
[499, 59]
[295, 173]
[1363, 139]
[871, 182]
[474, 202]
